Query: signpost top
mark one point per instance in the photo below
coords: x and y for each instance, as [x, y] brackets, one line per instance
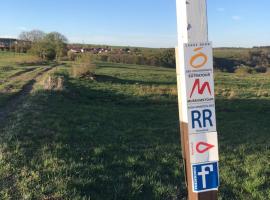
[192, 21]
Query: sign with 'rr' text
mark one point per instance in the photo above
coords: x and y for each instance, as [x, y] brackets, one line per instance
[200, 94]
[202, 118]
[200, 97]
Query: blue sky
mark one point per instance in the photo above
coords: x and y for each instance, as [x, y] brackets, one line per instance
[150, 23]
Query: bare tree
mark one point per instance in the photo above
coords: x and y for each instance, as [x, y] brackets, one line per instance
[32, 36]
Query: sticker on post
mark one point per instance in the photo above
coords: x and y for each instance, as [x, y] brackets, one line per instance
[200, 88]
[203, 147]
[202, 119]
[205, 177]
[198, 56]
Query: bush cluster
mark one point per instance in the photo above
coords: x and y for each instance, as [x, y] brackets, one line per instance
[158, 57]
[256, 60]
[83, 67]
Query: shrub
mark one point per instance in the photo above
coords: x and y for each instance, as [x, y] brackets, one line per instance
[261, 69]
[72, 56]
[167, 58]
[226, 64]
[243, 70]
[104, 58]
[83, 67]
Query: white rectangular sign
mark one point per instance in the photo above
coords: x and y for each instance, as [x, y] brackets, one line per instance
[203, 147]
[202, 118]
[199, 73]
[198, 57]
[200, 88]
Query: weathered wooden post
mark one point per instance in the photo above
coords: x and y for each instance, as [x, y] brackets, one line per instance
[195, 80]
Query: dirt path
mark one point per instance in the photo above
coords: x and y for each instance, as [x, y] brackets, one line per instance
[17, 100]
[23, 72]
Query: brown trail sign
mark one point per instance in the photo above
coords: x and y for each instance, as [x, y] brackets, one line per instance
[195, 80]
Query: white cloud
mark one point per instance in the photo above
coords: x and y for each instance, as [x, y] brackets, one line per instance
[220, 9]
[236, 18]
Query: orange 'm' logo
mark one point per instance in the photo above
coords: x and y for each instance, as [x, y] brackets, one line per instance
[203, 59]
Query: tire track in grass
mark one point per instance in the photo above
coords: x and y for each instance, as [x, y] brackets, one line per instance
[23, 72]
[16, 100]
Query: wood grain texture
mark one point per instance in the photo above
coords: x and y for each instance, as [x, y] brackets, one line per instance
[192, 21]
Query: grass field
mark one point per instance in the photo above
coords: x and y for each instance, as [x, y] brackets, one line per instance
[118, 137]
[16, 70]
[231, 53]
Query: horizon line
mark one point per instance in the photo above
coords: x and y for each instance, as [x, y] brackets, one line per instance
[134, 46]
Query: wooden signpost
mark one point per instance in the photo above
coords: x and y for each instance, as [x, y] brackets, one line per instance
[195, 80]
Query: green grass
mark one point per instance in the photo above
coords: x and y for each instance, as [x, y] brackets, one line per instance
[252, 86]
[233, 53]
[118, 138]
[16, 70]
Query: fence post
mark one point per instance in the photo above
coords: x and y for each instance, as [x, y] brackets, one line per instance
[195, 82]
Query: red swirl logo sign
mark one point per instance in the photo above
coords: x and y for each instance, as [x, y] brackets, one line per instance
[203, 147]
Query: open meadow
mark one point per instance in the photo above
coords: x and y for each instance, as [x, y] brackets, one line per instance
[117, 137]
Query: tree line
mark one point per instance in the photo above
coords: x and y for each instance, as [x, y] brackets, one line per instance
[51, 46]
[158, 57]
[254, 60]
[54, 46]
[48, 46]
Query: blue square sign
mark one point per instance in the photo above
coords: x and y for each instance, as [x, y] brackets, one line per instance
[205, 177]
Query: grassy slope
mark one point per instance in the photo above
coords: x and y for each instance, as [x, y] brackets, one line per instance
[236, 53]
[118, 138]
[8, 58]
[17, 70]
[11, 66]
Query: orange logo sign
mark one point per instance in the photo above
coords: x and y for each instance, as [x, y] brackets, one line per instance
[199, 56]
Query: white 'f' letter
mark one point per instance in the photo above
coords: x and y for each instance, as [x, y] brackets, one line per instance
[203, 173]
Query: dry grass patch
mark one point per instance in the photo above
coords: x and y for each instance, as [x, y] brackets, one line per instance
[143, 90]
[83, 71]
[18, 59]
